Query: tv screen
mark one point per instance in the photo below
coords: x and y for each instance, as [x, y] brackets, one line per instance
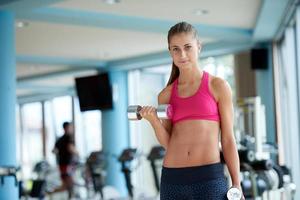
[94, 92]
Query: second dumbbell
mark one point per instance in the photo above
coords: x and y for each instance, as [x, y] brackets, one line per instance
[163, 111]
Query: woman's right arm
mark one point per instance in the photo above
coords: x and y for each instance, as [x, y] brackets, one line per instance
[162, 128]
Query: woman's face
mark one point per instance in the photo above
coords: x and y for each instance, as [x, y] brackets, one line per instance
[184, 49]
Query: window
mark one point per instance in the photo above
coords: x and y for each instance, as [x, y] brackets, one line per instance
[32, 148]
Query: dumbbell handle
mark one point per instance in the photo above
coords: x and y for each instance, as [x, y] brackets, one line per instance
[133, 112]
[163, 111]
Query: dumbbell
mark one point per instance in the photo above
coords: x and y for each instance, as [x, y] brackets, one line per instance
[234, 194]
[163, 111]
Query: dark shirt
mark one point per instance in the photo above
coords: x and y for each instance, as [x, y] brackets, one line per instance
[64, 154]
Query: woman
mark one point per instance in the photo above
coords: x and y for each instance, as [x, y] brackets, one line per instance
[202, 113]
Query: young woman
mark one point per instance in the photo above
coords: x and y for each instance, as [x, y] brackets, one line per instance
[202, 114]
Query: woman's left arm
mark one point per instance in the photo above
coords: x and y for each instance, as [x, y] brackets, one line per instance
[229, 149]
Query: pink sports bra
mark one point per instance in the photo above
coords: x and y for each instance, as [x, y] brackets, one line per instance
[201, 105]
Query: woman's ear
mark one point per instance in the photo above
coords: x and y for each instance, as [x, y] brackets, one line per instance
[199, 46]
[169, 50]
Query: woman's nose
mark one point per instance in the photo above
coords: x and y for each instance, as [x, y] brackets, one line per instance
[182, 54]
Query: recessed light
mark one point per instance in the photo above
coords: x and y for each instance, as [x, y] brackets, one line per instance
[21, 24]
[200, 12]
[111, 1]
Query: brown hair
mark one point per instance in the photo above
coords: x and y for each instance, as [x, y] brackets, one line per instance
[181, 27]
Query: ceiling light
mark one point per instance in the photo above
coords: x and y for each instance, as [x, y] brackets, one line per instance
[21, 24]
[200, 12]
[111, 1]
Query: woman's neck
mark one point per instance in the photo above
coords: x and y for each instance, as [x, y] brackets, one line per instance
[189, 75]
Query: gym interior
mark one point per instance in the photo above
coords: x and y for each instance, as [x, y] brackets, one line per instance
[86, 61]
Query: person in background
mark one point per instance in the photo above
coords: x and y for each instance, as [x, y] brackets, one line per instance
[66, 152]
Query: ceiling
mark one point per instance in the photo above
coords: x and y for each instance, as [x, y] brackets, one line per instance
[58, 40]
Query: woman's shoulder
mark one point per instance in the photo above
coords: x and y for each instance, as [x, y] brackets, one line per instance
[218, 86]
[216, 81]
[165, 94]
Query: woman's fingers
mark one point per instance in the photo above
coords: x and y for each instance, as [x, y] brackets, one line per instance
[147, 111]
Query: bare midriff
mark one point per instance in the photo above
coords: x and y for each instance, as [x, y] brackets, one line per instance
[193, 143]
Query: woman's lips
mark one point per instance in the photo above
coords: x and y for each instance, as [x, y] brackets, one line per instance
[183, 62]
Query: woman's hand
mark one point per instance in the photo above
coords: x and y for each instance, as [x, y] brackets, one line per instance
[149, 113]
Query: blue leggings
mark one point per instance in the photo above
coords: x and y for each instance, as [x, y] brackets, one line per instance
[205, 182]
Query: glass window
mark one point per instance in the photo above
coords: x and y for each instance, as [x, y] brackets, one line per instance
[88, 130]
[142, 136]
[286, 73]
[221, 66]
[50, 132]
[32, 147]
[62, 111]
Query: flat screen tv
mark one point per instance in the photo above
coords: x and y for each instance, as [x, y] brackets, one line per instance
[94, 92]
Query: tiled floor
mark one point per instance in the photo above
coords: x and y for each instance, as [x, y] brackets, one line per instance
[109, 193]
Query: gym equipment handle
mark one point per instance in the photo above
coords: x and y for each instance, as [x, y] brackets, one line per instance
[8, 171]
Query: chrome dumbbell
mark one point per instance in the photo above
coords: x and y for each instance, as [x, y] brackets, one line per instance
[234, 194]
[163, 111]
